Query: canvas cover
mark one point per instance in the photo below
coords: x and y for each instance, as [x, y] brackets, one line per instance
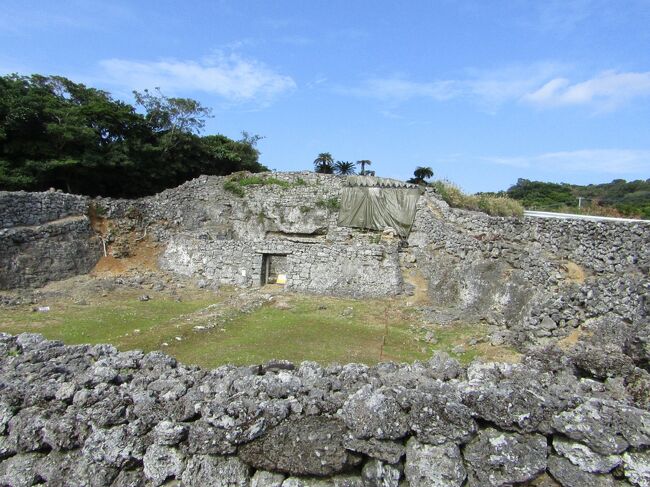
[377, 203]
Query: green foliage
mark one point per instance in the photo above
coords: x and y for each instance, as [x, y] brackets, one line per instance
[331, 204]
[344, 167]
[618, 198]
[237, 182]
[324, 163]
[363, 163]
[172, 115]
[420, 175]
[97, 209]
[490, 204]
[234, 188]
[57, 133]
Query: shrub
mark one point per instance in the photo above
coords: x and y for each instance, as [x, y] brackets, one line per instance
[238, 181]
[97, 209]
[233, 187]
[490, 204]
[331, 204]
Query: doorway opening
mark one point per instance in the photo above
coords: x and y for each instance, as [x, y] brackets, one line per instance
[273, 265]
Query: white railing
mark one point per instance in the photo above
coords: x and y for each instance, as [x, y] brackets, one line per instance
[573, 216]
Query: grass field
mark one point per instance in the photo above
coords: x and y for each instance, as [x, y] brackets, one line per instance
[205, 329]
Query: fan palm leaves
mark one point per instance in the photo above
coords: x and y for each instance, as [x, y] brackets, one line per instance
[363, 163]
[421, 174]
[344, 167]
[324, 163]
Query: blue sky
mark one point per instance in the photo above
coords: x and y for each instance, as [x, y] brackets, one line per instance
[484, 92]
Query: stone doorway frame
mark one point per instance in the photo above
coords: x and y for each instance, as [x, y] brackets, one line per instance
[267, 260]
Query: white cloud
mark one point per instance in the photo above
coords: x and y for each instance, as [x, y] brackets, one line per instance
[541, 85]
[232, 77]
[605, 91]
[605, 161]
[487, 87]
[398, 89]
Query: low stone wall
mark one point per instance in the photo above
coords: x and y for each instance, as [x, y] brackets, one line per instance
[20, 208]
[92, 416]
[335, 269]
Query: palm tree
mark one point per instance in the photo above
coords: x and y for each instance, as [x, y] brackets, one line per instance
[324, 163]
[344, 167]
[421, 174]
[363, 163]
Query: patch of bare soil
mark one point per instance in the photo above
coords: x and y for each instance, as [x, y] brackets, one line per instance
[574, 272]
[420, 286]
[143, 257]
[572, 338]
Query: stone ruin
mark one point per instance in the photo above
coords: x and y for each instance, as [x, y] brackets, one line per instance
[576, 415]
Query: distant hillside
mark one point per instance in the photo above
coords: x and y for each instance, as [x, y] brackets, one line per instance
[618, 198]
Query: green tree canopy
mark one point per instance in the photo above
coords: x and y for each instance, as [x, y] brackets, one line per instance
[58, 133]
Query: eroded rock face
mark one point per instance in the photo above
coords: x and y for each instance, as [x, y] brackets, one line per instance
[310, 446]
[496, 458]
[584, 457]
[607, 427]
[636, 466]
[429, 465]
[375, 413]
[204, 470]
[569, 475]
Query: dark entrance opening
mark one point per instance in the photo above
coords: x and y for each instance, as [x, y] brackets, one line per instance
[273, 265]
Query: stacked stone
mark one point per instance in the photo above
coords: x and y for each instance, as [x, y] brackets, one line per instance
[510, 272]
[44, 237]
[26, 209]
[90, 415]
[325, 268]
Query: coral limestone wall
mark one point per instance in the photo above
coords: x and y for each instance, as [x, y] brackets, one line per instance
[87, 415]
[44, 237]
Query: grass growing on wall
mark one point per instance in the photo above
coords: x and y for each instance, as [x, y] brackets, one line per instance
[332, 204]
[490, 204]
[238, 182]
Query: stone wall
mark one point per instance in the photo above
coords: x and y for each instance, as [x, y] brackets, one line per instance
[44, 237]
[20, 208]
[92, 416]
[335, 269]
[514, 274]
[533, 279]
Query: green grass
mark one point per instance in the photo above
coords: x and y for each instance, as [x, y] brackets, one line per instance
[303, 332]
[322, 329]
[237, 183]
[331, 204]
[112, 322]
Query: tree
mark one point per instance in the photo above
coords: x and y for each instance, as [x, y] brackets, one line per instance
[344, 167]
[55, 132]
[324, 163]
[363, 163]
[420, 175]
[58, 133]
[172, 117]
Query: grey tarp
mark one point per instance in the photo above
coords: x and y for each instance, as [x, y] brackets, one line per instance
[377, 203]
